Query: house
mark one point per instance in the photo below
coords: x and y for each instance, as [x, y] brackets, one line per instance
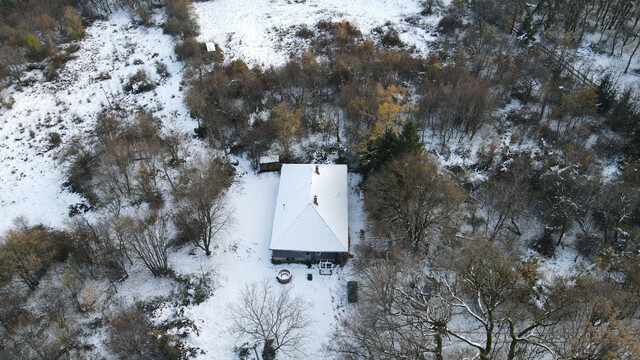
[310, 222]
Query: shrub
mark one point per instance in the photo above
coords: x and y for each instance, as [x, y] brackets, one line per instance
[80, 175]
[588, 245]
[304, 32]
[429, 7]
[139, 83]
[73, 24]
[449, 23]
[130, 335]
[51, 72]
[54, 140]
[606, 93]
[35, 49]
[391, 38]
[161, 70]
[7, 102]
[545, 244]
[188, 49]
[104, 75]
[6, 33]
[243, 351]
[28, 252]
[180, 22]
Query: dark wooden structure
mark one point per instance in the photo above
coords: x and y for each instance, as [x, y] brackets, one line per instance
[352, 291]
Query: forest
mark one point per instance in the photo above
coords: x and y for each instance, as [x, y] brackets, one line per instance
[455, 261]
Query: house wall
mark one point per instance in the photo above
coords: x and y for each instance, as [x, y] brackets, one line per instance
[285, 255]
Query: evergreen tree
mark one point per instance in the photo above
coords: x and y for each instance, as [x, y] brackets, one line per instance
[409, 140]
[379, 152]
[606, 94]
[391, 145]
[624, 114]
[526, 33]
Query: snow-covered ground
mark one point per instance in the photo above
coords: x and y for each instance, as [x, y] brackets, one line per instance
[31, 176]
[255, 30]
[599, 64]
[243, 257]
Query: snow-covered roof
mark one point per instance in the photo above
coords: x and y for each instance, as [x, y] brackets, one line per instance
[210, 46]
[269, 159]
[299, 224]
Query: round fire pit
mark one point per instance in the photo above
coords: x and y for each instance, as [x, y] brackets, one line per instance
[284, 276]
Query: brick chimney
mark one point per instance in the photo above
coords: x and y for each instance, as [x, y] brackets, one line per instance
[317, 170]
[315, 200]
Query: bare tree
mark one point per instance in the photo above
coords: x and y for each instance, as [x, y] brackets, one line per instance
[272, 316]
[397, 316]
[130, 336]
[148, 238]
[497, 294]
[506, 195]
[11, 63]
[600, 324]
[204, 213]
[409, 200]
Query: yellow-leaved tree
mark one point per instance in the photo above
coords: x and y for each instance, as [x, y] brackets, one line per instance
[73, 23]
[286, 124]
[393, 110]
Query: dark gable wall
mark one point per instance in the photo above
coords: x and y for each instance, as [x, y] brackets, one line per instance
[285, 255]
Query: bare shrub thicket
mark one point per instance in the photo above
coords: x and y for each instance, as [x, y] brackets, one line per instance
[147, 238]
[128, 163]
[97, 251]
[231, 100]
[130, 335]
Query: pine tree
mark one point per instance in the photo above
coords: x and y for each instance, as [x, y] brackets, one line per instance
[391, 145]
[409, 140]
[607, 93]
[526, 33]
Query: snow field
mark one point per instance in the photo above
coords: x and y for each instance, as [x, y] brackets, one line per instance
[256, 30]
[32, 175]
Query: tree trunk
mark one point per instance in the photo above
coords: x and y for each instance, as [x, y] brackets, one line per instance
[438, 350]
[562, 231]
[516, 229]
[626, 69]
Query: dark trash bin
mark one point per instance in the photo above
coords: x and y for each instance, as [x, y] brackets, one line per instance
[352, 291]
